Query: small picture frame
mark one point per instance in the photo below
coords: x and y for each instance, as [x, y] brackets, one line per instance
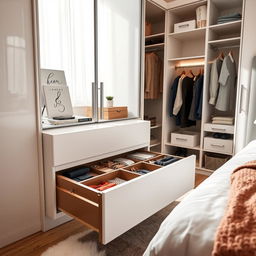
[58, 101]
[53, 77]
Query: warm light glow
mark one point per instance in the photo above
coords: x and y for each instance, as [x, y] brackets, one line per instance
[190, 63]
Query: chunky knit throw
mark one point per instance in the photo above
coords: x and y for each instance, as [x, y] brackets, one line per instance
[236, 234]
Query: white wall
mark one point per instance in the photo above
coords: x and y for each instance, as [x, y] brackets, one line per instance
[19, 182]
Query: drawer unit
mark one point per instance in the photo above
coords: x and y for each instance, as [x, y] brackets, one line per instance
[208, 127]
[218, 145]
[185, 138]
[113, 211]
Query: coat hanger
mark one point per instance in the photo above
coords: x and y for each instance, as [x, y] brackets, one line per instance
[230, 54]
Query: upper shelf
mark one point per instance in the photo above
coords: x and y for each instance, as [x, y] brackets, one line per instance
[187, 58]
[188, 35]
[235, 41]
[227, 28]
[155, 36]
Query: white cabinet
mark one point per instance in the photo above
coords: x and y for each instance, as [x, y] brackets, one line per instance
[19, 183]
[106, 211]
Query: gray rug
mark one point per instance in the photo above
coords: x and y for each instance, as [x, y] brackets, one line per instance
[132, 243]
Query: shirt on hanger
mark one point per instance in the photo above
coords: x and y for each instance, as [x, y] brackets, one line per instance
[173, 93]
[178, 100]
[227, 80]
[214, 80]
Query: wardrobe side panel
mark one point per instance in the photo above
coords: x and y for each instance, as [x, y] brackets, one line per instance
[19, 183]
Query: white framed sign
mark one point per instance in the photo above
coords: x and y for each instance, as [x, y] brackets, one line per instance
[58, 101]
[53, 77]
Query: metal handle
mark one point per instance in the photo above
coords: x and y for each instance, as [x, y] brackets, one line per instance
[94, 114]
[181, 139]
[101, 100]
[218, 129]
[241, 98]
[219, 146]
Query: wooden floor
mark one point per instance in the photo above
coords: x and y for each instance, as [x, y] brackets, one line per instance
[36, 244]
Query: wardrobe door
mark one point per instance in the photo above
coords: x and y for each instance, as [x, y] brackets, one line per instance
[19, 182]
[119, 55]
[244, 120]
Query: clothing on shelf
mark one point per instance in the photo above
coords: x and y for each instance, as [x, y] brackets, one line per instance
[229, 18]
[148, 28]
[227, 80]
[151, 119]
[214, 80]
[223, 120]
[153, 76]
[224, 136]
[197, 101]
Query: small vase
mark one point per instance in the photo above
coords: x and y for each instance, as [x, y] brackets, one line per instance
[109, 103]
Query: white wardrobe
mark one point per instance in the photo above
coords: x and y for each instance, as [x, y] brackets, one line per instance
[196, 49]
[20, 214]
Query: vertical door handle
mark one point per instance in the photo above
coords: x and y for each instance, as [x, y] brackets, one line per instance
[242, 89]
[101, 100]
[94, 113]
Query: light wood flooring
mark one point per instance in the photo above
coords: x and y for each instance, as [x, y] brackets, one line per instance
[36, 244]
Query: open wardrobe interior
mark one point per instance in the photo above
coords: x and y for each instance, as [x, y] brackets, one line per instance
[197, 102]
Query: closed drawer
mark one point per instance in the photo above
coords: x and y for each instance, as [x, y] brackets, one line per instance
[219, 128]
[218, 145]
[110, 113]
[115, 210]
[186, 139]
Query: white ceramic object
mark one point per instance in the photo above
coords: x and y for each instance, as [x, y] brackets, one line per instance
[110, 103]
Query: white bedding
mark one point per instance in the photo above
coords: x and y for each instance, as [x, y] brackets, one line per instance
[190, 228]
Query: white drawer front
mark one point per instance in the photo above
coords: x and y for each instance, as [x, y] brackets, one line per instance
[219, 128]
[185, 139]
[129, 204]
[218, 145]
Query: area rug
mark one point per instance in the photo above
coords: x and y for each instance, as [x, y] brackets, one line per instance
[132, 243]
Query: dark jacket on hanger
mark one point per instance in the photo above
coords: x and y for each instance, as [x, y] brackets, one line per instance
[196, 105]
[187, 96]
[172, 98]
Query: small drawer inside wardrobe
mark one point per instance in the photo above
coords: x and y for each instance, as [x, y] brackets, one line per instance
[220, 128]
[185, 138]
[218, 145]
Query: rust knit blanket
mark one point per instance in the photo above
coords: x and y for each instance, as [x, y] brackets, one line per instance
[236, 234]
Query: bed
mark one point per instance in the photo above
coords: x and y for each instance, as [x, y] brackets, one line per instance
[190, 228]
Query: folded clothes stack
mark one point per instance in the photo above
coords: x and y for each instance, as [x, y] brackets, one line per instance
[166, 161]
[79, 174]
[107, 166]
[139, 171]
[223, 120]
[141, 156]
[229, 18]
[223, 136]
[107, 184]
[124, 161]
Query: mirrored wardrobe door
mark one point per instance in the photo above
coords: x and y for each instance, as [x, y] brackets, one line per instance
[67, 42]
[119, 58]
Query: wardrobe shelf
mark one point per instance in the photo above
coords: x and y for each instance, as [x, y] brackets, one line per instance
[187, 58]
[156, 126]
[161, 45]
[223, 5]
[212, 151]
[189, 35]
[179, 146]
[227, 28]
[229, 42]
[159, 35]
[155, 145]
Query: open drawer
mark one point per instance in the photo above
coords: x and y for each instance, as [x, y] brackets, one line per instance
[113, 211]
